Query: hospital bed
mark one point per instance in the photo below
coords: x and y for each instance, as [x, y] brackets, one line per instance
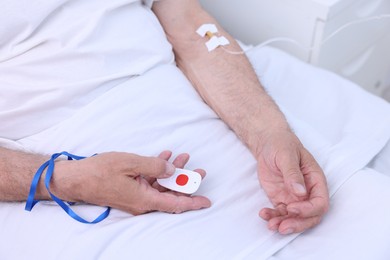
[342, 125]
[231, 228]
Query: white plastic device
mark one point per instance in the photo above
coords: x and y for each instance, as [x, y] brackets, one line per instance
[184, 181]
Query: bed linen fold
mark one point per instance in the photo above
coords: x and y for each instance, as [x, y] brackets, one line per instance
[343, 126]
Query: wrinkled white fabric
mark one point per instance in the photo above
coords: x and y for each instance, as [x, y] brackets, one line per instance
[171, 115]
[381, 161]
[356, 227]
[57, 56]
[148, 106]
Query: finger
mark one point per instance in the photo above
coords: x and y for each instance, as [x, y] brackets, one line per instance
[268, 213]
[165, 155]
[317, 203]
[201, 172]
[316, 206]
[151, 166]
[314, 176]
[181, 160]
[297, 225]
[279, 210]
[289, 164]
[274, 223]
[167, 202]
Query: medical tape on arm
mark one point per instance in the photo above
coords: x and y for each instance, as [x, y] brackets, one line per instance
[210, 30]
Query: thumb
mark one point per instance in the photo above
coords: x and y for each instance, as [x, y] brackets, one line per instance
[289, 165]
[152, 167]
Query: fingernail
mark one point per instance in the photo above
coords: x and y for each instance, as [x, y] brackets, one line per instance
[287, 231]
[273, 228]
[299, 188]
[265, 216]
[169, 169]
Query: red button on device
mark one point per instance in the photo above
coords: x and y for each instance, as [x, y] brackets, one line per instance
[182, 180]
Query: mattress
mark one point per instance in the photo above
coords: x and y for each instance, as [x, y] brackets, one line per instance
[343, 126]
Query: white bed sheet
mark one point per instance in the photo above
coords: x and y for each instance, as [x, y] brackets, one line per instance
[342, 125]
[356, 227]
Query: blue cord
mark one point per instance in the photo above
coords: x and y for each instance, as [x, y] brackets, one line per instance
[31, 202]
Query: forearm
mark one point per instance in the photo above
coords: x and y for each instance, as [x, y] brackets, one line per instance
[16, 173]
[226, 82]
[229, 86]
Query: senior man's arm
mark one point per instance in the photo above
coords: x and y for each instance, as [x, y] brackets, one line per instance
[289, 174]
[125, 181]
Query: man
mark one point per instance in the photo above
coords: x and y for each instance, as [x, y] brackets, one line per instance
[292, 179]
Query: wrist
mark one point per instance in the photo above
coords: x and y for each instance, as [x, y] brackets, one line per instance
[270, 137]
[62, 184]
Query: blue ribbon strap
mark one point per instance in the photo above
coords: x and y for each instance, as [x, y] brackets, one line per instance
[30, 203]
[50, 169]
